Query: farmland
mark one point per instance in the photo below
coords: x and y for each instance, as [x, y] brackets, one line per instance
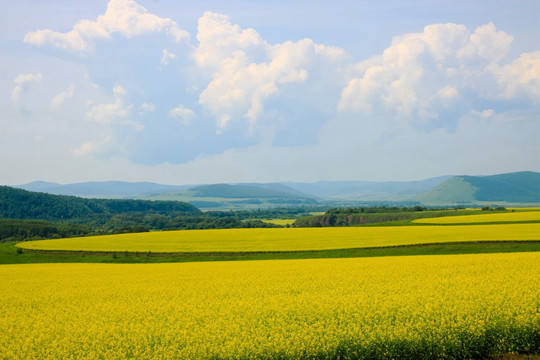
[341, 293]
[407, 307]
[520, 216]
[283, 239]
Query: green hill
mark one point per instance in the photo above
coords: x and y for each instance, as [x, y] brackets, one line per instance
[101, 189]
[243, 191]
[519, 187]
[22, 204]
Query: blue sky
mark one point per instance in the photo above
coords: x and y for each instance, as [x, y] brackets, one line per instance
[185, 92]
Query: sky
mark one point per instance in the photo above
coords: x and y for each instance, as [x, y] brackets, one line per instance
[194, 92]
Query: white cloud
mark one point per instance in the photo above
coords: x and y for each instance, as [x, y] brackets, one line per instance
[167, 56]
[521, 77]
[106, 113]
[182, 113]
[219, 39]
[63, 96]
[484, 114]
[421, 74]
[487, 43]
[248, 71]
[448, 93]
[22, 82]
[289, 103]
[92, 147]
[119, 90]
[146, 108]
[124, 17]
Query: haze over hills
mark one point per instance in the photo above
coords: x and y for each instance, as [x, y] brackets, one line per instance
[366, 190]
[519, 187]
[104, 189]
[246, 195]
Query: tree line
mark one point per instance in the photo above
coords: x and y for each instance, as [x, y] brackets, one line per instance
[26, 215]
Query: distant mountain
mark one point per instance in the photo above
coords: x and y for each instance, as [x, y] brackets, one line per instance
[366, 190]
[246, 191]
[23, 204]
[104, 189]
[519, 187]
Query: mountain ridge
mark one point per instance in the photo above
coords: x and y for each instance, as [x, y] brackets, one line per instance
[516, 187]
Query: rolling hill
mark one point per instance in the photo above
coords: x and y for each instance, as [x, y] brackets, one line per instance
[245, 191]
[519, 187]
[102, 189]
[367, 190]
[510, 188]
[22, 204]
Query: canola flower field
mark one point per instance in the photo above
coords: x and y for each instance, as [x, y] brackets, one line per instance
[289, 239]
[522, 216]
[417, 307]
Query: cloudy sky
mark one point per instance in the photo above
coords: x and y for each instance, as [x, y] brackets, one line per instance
[188, 92]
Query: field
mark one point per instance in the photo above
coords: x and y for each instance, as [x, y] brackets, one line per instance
[509, 217]
[283, 239]
[280, 221]
[407, 308]
[342, 293]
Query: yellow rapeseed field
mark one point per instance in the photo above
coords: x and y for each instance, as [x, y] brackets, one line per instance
[483, 218]
[289, 239]
[443, 307]
[280, 221]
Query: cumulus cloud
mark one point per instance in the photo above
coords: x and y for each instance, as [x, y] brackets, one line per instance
[219, 39]
[182, 113]
[420, 75]
[22, 82]
[106, 113]
[521, 77]
[487, 43]
[146, 108]
[167, 56]
[248, 71]
[248, 92]
[92, 147]
[63, 96]
[124, 17]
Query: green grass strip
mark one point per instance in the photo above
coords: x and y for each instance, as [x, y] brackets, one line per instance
[10, 255]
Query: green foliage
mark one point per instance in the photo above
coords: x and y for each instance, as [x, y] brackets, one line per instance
[69, 216]
[377, 215]
[21, 230]
[240, 191]
[518, 187]
[22, 204]
[10, 255]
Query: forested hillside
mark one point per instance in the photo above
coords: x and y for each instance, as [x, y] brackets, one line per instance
[26, 215]
[20, 230]
[519, 187]
[22, 204]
